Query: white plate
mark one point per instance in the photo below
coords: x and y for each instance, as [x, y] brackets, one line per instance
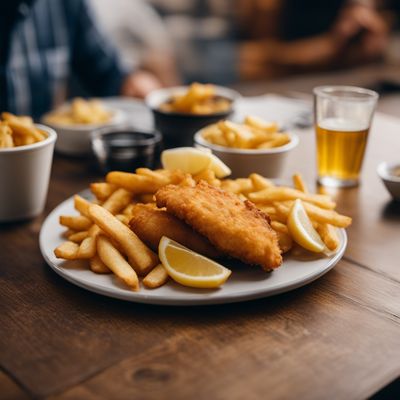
[245, 283]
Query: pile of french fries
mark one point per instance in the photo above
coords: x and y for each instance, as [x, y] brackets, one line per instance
[254, 133]
[199, 99]
[18, 131]
[100, 233]
[80, 111]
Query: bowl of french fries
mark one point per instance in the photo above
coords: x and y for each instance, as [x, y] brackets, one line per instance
[179, 112]
[252, 146]
[26, 153]
[75, 121]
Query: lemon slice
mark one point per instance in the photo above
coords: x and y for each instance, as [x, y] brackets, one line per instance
[302, 230]
[189, 268]
[221, 170]
[193, 161]
[187, 159]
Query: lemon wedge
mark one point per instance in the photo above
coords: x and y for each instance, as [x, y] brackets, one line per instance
[301, 229]
[193, 161]
[189, 268]
[221, 170]
[187, 159]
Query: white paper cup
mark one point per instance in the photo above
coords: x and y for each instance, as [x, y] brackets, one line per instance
[74, 140]
[24, 178]
[243, 162]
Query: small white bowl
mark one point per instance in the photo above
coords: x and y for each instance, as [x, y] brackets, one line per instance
[266, 162]
[75, 140]
[392, 182]
[24, 177]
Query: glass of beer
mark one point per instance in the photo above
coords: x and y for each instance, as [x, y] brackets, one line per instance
[343, 116]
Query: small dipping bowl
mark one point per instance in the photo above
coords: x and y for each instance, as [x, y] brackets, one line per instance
[390, 175]
[125, 148]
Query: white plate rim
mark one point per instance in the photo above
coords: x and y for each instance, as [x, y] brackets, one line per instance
[198, 299]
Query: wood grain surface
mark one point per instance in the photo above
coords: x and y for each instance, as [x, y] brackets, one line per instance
[338, 337]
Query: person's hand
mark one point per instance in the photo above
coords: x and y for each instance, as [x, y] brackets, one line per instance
[139, 84]
[364, 24]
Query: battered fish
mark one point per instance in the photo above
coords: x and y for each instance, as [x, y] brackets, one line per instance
[151, 224]
[235, 227]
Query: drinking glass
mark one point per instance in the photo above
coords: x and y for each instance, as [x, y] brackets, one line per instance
[343, 116]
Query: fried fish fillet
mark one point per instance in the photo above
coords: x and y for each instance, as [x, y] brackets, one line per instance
[235, 227]
[151, 224]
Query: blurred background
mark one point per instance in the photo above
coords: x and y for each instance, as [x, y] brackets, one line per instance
[257, 46]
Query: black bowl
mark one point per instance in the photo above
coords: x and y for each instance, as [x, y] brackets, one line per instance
[178, 129]
[125, 148]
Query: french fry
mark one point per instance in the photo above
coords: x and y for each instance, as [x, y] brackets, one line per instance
[279, 227]
[299, 183]
[103, 190]
[117, 201]
[254, 133]
[328, 216]
[187, 181]
[77, 237]
[198, 99]
[22, 127]
[245, 185]
[280, 193]
[157, 175]
[237, 186]
[258, 123]
[81, 111]
[67, 251]
[97, 266]
[123, 218]
[278, 140]
[6, 139]
[66, 234]
[134, 183]
[87, 248]
[259, 182]
[156, 277]
[114, 260]
[128, 209]
[139, 255]
[209, 176]
[213, 135]
[77, 223]
[328, 235]
[318, 214]
[82, 205]
[240, 136]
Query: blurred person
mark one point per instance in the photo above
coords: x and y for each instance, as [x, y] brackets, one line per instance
[312, 35]
[203, 32]
[44, 42]
[225, 41]
[141, 36]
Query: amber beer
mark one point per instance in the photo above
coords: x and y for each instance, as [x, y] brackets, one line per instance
[343, 115]
[340, 148]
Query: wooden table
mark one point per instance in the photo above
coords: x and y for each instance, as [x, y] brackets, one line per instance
[336, 338]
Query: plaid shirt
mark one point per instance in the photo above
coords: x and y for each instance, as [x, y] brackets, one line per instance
[50, 42]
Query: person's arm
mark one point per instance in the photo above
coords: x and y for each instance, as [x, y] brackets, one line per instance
[96, 63]
[269, 58]
[94, 60]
